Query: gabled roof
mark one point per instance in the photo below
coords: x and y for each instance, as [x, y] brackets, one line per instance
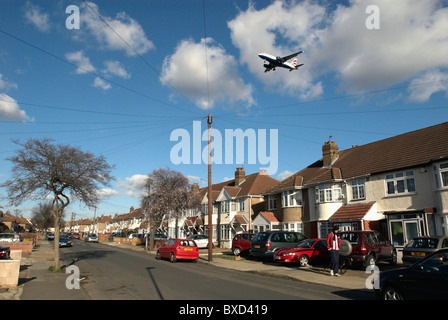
[411, 149]
[254, 184]
[268, 216]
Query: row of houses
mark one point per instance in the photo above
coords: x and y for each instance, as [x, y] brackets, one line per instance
[12, 223]
[397, 186]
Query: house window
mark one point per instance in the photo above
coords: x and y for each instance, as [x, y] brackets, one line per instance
[328, 193]
[241, 204]
[272, 202]
[399, 183]
[225, 206]
[441, 175]
[292, 198]
[358, 189]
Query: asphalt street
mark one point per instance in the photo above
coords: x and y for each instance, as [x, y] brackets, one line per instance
[111, 273]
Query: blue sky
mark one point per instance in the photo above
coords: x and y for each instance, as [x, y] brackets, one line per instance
[120, 85]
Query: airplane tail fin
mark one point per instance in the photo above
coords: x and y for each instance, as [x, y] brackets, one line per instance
[296, 65]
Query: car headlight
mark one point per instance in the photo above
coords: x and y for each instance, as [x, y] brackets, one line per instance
[289, 254]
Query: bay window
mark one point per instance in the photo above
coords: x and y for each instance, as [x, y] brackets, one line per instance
[291, 198]
[328, 193]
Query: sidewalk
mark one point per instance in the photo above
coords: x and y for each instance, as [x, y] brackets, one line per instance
[36, 282]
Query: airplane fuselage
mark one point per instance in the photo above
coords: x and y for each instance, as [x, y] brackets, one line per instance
[274, 62]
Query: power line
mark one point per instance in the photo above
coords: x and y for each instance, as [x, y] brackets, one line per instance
[93, 73]
[340, 97]
[137, 54]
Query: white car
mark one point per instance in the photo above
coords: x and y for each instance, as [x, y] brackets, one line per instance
[200, 239]
[10, 237]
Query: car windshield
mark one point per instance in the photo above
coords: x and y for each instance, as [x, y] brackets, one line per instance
[306, 244]
[351, 237]
[426, 243]
[261, 237]
[187, 243]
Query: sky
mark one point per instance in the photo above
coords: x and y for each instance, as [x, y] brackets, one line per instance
[135, 80]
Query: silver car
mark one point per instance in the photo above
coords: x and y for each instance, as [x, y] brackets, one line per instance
[420, 247]
[91, 237]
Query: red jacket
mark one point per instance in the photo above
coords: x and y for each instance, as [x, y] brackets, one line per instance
[330, 240]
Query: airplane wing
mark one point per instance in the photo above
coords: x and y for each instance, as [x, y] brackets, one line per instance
[291, 56]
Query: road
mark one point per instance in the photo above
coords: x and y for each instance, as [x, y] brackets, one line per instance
[113, 273]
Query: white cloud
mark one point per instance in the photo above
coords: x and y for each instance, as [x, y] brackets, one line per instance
[186, 70]
[78, 58]
[35, 16]
[6, 85]
[411, 40]
[10, 109]
[127, 28]
[429, 83]
[285, 174]
[115, 68]
[100, 83]
[107, 193]
[133, 186]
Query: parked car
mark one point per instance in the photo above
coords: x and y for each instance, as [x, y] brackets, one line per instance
[4, 253]
[241, 243]
[178, 249]
[75, 235]
[306, 252]
[91, 237]
[426, 279]
[420, 247]
[200, 239]
[10, 237]
[50, 235]
[160, 236]
[368, 247]
[136, 235]
[64, 241]
[264, 244]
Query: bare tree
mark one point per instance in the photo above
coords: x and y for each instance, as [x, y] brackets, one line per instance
[42, 218]
[166, 191]
[42, 169]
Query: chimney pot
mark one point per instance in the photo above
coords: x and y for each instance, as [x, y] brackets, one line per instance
[330, 152]
[240, 175]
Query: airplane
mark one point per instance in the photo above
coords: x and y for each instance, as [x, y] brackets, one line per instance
[274, 62]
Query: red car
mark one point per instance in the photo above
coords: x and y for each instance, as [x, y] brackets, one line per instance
[178, 249]
[241, 243]
[307, 251]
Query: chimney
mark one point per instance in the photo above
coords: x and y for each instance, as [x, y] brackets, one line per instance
[195, 187]
[240, 176]
[330, 153]
[263, 172]
[131, 210]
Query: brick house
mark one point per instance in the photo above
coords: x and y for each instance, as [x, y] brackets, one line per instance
[398, 186]
[236, 203]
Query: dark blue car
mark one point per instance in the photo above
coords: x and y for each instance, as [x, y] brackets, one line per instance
[426, 279]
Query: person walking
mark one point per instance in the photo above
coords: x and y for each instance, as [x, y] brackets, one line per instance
[333, 243]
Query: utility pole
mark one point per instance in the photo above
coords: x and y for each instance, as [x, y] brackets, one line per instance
[210, 205]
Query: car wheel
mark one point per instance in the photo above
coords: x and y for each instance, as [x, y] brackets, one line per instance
[390, 293]
[393, 260]
[236, 251]
[370, 260]
[303, 261]
[157, 255]
[172, 258]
